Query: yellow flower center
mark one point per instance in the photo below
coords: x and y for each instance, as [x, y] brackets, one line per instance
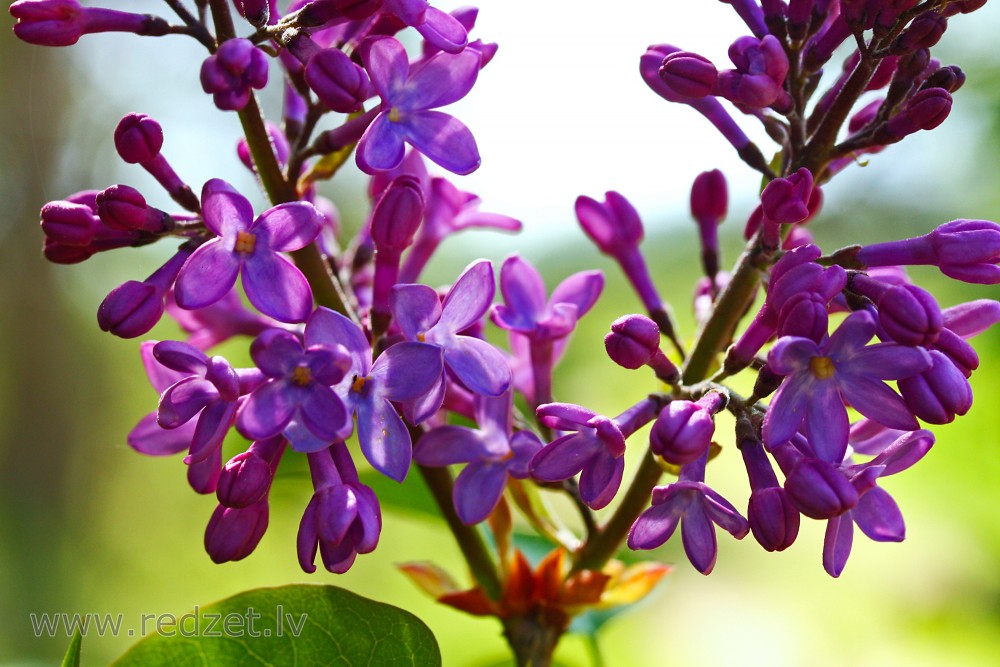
[359, 383]
[245, 242]
[301, 376]
[822, 367]
[394, 115]
[422, 337]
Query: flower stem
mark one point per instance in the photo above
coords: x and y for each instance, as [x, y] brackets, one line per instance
[470, 541]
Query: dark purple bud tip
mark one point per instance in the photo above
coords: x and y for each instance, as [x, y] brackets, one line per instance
[688, 74]
[633, 341]
[774, 520]
[233, 533]
[709, 197]
[68, 224]
[122, 207]
[257, 12]
[926, 110]
[950, 78]
[925, 31]
[138, 138]
[819, 490]
[131, 309]
[398, 214]
[244, 480]
[337, 81]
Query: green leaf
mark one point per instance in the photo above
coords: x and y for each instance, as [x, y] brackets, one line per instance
[290, 625]
[72, 658]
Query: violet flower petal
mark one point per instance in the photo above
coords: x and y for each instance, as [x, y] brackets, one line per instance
[148, 437]
[478, 365]
[438, 81]
[407, 370]
[448, 445]
[323, 413]
[277, 288]
[654, 526]
[289, 226]
[381, 147]
[698, 536]
[443, 139]
[207, 276]
[266, 411]
[384, 438]
[469, 298]
[875, 400]
[478, 489]
[837, 543]
[330, 328]
[416, 308]
[224, 210]
[879, 518]
[600, 481]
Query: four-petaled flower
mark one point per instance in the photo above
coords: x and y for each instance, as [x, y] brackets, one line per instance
[272, 283]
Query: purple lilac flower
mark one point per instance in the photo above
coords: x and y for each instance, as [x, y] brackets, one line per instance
[709, 201]
[967, 250]
[875, 513]
[634, 341]
[595, 447]
[907, 314]
[526, 312]
[63, 22]
[683, 430]
[74, 231]
[404, 372]
[394, 221]
[761, 68]
[272, 283]
[230, 74]
[492, 451]
[422, 317]
[343, 518]
[697, 508]
[122, 207]
[821, 378]
[246, 478]
[298, 393]
[138, 140]
[616, 229]
[406, 116]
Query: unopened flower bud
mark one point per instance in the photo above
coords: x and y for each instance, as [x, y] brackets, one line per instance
[131, 309]
[63, 22]
[257, 12]
[634, 342]
[926, 110]
[68, 224]
[122, 207]
[819, 490]
[337, 81]
[950, 78]
[683, 430]
[233, 533]
[924, 32]
[232, 71]
[138, 138]
[938, 394]
[909, 314]
[688, 74]
[245, 479]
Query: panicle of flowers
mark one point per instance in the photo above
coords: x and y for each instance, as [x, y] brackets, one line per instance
[352, 356]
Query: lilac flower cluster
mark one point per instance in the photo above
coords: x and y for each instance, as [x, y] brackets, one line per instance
[348, 347]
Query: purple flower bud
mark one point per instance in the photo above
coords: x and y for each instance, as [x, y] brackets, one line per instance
[973, 317]
[926, 110]
[938, 394]
[138, 138]
[319, 12]
[230, 73]
[804, 314]
[908, 314]
[688, 74]
[68, 224]
[63, 22]
[709, 197]
[633, 341]
[397, 215]
[683, 430]
[122, 207]
[134, 307]
[967, 250]
[785, 200]
[233, 533]
[950, 78]
[820, 490]
[337, 81]
[924, 32]
[247, 477]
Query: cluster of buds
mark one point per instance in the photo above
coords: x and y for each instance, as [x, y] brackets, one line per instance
[351, 352]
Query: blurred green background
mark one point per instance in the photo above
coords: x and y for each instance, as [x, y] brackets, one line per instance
[88, 525]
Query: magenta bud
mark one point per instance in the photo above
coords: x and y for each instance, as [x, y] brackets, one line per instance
[397, 215]
[804, 314]
[233, 533]
[683, 430]
[66, 254]
[323, 11]
[131, 309]
[245, 479]
[138, 138]
[786, 200]
[924, 32]
[122, 207]
[67, 224]
[773, 518]
[926, 110]
[48, 22]
[614, 225]
[950, 78]
[709, 197]
[634, 340]
[938, 394]
[688, 74]
[232, 71]
[819, 490]
[909, 314]
[337, 81]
